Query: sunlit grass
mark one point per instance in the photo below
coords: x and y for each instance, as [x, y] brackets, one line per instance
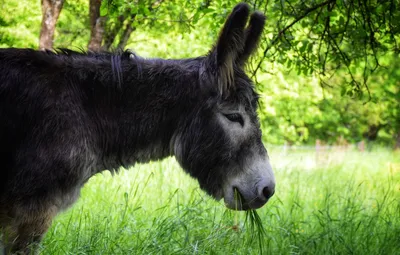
[339, 203]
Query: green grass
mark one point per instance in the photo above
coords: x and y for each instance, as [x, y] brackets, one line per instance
[338, 203]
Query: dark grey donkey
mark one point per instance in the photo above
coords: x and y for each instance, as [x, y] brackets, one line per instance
[66, 116]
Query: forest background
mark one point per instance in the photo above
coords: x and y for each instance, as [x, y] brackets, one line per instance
[326, 70]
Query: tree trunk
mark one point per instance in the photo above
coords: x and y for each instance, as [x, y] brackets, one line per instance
[112, 31]
[96, 25]
[126, 34]
[51, 10]
[397, 145]
[372, 132]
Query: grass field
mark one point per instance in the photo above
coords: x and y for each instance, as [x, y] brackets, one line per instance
[337, 202]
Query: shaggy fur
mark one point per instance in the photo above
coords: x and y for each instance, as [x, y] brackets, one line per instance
[68, 115]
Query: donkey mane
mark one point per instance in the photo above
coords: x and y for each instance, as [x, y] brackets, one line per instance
[116, 66]
[114, 57]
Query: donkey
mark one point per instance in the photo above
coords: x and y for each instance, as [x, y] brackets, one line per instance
[66, 116]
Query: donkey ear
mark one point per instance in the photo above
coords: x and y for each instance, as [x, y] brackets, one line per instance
[252, 34]
[230, 44]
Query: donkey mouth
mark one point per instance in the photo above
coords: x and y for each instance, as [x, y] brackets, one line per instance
[236, 201]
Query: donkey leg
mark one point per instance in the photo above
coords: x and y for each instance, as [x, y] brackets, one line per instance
[4, 221]
[2, 247]
[26, 229]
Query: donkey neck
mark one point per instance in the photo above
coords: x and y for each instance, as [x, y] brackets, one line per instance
[139, 112]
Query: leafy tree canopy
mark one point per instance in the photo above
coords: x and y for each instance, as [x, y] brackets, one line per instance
[325, 69]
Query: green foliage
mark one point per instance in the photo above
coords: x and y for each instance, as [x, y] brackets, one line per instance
[298, 109]
[327, 36]
[72, 27]
[20, 23]
[157, 17]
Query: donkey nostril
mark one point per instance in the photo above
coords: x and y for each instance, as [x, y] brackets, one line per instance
[268, 192]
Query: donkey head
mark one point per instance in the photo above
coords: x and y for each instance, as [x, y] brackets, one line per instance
[220, 144]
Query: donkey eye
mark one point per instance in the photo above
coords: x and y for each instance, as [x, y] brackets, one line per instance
[235, 117]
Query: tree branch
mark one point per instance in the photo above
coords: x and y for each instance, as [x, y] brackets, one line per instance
[281, 32]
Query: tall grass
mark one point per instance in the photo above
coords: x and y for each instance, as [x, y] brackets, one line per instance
[347, 204]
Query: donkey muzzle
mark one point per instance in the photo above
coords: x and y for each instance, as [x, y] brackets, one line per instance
[250, 190]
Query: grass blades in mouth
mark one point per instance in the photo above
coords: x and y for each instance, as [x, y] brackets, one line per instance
[254, 223]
